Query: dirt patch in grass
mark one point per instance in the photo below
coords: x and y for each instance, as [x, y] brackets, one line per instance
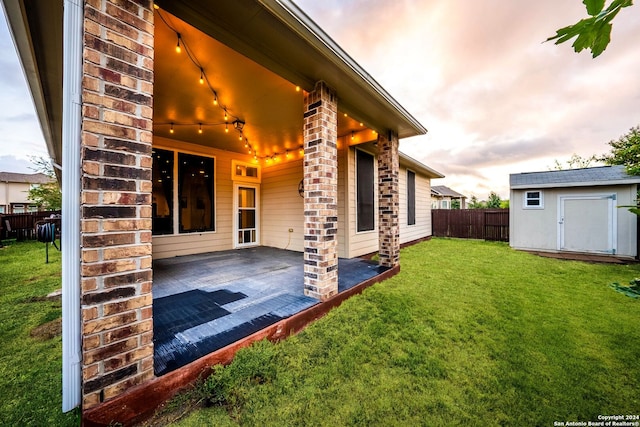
[48, 330]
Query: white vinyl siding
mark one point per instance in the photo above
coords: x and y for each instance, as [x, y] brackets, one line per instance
[282, 206]
[422, 227]
[538, 229]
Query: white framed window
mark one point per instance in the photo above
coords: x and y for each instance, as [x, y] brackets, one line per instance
[1, 209]
[444, 204]
[18, 209]
[241, 171]
[533, 200]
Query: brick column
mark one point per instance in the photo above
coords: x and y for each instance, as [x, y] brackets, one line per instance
[117, 88]
[388, 200]
[321, 193]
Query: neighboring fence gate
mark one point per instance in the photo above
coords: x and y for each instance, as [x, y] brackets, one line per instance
[486, 224]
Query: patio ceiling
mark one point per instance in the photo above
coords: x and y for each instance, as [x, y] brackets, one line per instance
[255, 52]
[270, 106]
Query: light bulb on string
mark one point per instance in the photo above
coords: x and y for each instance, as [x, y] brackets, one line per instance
[178, 48]
[226, 116]
[201, 76]
[226, 127]
[200, 129]
[171, 128]
[215, 99]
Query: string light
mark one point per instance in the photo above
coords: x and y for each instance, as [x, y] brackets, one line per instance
[181, 44]
[171, 129]
[352, 136]
[226, 127]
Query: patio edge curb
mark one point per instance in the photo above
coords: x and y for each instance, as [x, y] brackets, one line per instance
[140, 402]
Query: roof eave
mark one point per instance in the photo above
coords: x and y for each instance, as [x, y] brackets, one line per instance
[576, 184]
[33, 51]
[415, 164]
[297, 20]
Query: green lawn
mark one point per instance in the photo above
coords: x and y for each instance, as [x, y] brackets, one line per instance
[30, 358]
[469, 333]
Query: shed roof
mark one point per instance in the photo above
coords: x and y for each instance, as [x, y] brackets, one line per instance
[586, 177]
[24, 178]
[443, 190]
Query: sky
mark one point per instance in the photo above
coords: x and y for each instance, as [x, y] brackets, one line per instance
[495, 99]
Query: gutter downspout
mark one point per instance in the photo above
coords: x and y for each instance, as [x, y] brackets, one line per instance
[71, 134]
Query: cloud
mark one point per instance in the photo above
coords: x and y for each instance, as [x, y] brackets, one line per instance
[494, 97]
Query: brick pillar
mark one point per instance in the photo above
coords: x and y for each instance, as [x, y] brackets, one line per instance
[321, 193]
[388, 200]
[117, 88]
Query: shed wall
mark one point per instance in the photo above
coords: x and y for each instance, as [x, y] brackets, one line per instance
[537, 229]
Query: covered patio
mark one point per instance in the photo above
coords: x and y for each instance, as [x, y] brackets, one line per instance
[190, 133]
[205, 302]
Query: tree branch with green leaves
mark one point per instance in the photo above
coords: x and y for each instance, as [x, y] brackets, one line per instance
[593, 33]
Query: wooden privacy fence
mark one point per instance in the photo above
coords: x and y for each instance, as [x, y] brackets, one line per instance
[22, 226]
[486, 224]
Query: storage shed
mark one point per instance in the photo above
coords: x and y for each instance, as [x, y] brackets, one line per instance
[577, 210]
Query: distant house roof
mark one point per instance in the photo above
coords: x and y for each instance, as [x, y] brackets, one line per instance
[441, 190]
[603, 175]
[24, 178]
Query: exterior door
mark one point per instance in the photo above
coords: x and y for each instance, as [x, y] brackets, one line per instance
[588, 224]
[247, 215]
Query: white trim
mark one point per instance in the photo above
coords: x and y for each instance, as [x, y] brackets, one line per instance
[630, 181]
[243, 178]
[234, 214]
[525, 199]
[71, 188]
[612, 219]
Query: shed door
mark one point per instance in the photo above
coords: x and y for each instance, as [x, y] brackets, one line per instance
[587, 224]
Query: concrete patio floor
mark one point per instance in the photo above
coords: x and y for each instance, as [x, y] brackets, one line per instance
[207, 301]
